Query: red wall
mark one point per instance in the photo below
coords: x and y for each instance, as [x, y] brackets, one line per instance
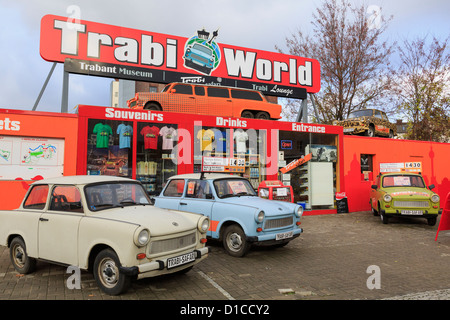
[434, 157]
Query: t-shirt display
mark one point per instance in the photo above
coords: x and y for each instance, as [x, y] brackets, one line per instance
[125, 133]
[168, 134]
[220, 138]
[103, 131]
[241, 138]
[150, 137]
[206, 137]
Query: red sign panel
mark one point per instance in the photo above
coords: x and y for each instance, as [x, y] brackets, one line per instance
[106, 50]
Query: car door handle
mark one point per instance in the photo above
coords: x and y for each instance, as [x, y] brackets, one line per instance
[43, 219]
[183, 203]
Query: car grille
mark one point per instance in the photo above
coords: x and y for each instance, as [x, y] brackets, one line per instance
[167, 245]
[278, 223]
[411, 204]
[200, 58]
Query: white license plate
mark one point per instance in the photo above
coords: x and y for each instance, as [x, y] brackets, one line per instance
[349, 129]
[180, 260]
[412, 212]
[284, 235]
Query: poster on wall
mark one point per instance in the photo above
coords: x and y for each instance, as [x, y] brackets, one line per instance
[28, 158]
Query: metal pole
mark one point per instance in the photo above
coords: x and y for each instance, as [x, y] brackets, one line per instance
[44, 86]
[65, 93]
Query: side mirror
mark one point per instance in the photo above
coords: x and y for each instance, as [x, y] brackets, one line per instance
[374, 187]
[432, 186]
[209, 196]
[173, 91]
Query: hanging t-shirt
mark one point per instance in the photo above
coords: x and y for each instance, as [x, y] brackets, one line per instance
[206, 137]
[241, 138]
[168, 134]
[103, 131]
[125, 133]
[220, 138]
[150, 137]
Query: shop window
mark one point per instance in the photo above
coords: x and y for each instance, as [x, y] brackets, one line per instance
[366, 167]
[109, 147]
[247, 147]
[155, 155]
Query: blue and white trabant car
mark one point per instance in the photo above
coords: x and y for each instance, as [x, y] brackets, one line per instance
[238, 217]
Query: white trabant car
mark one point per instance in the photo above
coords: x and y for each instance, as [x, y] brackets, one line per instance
[103, 224]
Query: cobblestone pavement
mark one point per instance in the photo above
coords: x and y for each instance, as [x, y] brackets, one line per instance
[329, 261]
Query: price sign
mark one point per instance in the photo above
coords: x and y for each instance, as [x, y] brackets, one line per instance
[226, 165]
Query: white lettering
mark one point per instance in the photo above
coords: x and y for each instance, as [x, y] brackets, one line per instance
[69, 36]
[94, 42]
[133, 115]
[152, 52]
[9, 125]
[231, 122]
[128, 51]
[239, 64]
[307, 128]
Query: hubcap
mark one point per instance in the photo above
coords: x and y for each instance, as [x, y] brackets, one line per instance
[109, 273]
[234, 241]
[19, 256]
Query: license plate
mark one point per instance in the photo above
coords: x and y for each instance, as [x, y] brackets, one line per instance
[349, 129]
[180, 260]
[284, 235]
[412, 212]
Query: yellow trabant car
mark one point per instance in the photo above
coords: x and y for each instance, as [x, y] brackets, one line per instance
[404, 195]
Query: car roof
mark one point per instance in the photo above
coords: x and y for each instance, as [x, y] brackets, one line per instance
[400, 173]
[82, 179]
[209, 176]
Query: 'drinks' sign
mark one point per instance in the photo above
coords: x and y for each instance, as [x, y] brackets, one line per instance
[105, 50]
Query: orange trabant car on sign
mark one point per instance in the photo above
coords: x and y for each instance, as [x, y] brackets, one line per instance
[209, 100]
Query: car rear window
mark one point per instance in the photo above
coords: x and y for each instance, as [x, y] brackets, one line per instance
[37, 198]
[247, 95]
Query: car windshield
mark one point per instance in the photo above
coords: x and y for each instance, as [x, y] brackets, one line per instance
[101, 196]
[203, 49]
[403, 181]
[233, 188]
[360, 113]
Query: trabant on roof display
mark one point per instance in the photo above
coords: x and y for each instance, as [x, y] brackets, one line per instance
[208, 100]
[371, 122]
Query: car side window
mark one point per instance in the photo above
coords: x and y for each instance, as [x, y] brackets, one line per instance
[66, 198]
[37, 198]
[198, 189]
[218, 92]
[174, 188]
[378, 114]
[199, 91]
[183, 89]
[247, 95]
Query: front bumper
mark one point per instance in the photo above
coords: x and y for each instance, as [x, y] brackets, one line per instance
[159, 267]
[270, 239]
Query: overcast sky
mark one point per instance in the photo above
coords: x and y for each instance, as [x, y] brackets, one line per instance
[256, 24]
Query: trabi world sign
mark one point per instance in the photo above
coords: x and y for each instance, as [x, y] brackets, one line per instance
[110, 51]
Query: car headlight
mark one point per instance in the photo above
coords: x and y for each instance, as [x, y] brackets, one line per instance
[299, 211]
[142, 237]
[203, 224]
[259, 217]
[387, 198]
[435, 198]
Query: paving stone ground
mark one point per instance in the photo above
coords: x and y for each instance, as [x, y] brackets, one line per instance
[329, 261]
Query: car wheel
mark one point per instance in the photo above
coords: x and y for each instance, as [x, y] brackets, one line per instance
[235, 241]
[374, 212]
[247, 114]
[19, 257]
[432, 221]
[262, 115]
[391, 134]
[107, 275]
[152, 106]
[383, 217]
[371, 131]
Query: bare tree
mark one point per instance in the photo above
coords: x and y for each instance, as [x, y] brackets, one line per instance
[422, 88]
[354, 60]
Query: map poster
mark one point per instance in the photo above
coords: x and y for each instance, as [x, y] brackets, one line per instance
[30, 158]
